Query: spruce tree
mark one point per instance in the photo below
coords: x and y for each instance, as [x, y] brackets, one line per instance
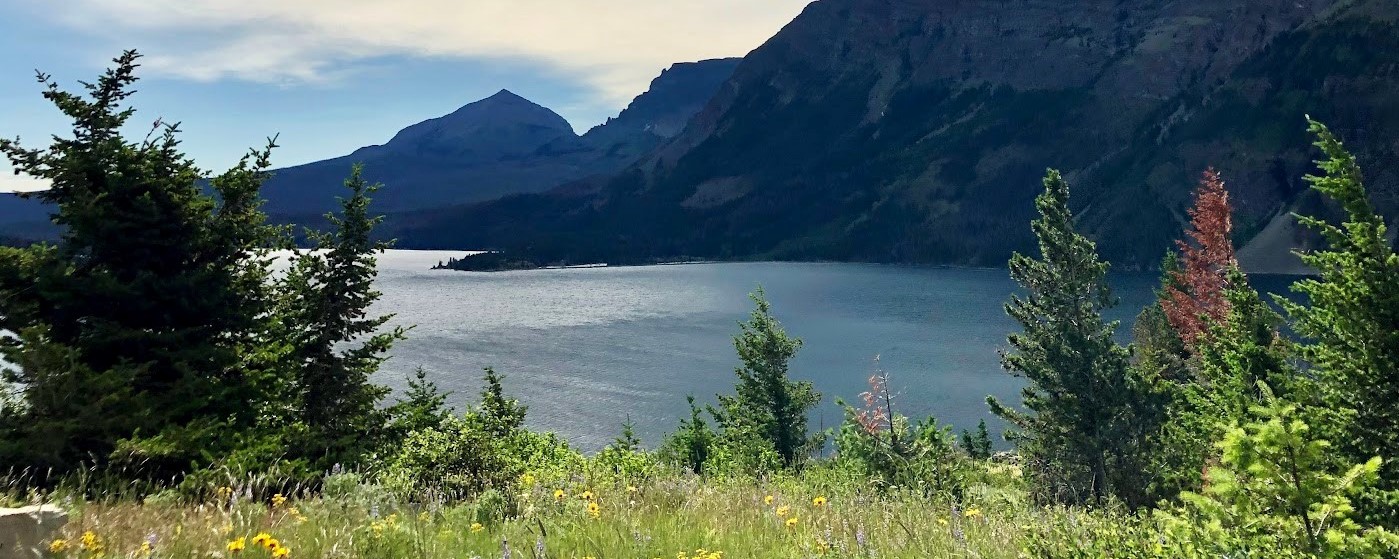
[502, 416]
[766, 401]
[336, 345]
[138, 332]
[1350, 324]
[1078, 402]
[422, 406]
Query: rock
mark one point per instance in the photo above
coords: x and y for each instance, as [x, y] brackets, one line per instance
[26, 531]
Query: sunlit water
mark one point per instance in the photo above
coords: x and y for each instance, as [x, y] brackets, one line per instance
[588, 348]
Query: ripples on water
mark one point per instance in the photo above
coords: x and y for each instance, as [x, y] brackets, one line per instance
[588, 348]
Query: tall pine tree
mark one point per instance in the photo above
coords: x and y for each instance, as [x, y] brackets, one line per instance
[1078, 402]
[767, 401]
[1195, 299]
[336, 345]
[1350, 324]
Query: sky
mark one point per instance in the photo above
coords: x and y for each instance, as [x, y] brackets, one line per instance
[329, 76]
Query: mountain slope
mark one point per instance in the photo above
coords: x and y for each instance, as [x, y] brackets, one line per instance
[917, 130]
[500, 145]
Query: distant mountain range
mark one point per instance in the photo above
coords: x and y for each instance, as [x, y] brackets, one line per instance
[500, 145]
[917, 131]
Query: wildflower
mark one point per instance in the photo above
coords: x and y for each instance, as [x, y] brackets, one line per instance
[822, 546]
[586, 495]
[235, 546]
[973, 513]
[281, 551]
[631, 489]
[58, 546]
[145, 550]
[526, 479]
[768, 500]
[272, 544]
[942, 521]
[792, 522]
[558, 494]
[594, 509]
[262, 538]
[90, 542]
[476, 527]
[296, 513]
[224, 493]
[783, 510]
[278, 500]
[819, 501]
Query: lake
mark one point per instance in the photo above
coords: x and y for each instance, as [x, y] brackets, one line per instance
[586, 349]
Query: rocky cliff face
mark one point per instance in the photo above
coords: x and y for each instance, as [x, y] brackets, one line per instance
[917, 130]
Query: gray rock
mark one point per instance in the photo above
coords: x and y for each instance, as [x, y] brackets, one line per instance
[26, 531]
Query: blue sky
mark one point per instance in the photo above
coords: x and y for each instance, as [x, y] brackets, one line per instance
[333, 75]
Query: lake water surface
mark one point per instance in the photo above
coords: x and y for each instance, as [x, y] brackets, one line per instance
[587, 348]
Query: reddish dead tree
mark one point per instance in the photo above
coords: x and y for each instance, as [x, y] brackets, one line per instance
[1197, 299]
[878, 413]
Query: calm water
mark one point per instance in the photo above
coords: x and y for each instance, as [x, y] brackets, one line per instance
[587, 348]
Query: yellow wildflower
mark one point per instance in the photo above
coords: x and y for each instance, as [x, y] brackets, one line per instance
[768, 500]
[476, 527]
[819, 501]
[972, 513]
[278, 500]
[822, 546]
[558, 494]
[631, 489]
[272, 544]
[526, 479]
[58, 546]
[792, 522]
[224, 493]
[237, 545]
[261, 538]
[281, 551]
[145, 550]
[942, 521]
[783, 510]
[90, 542]
[586, 495]
[594, 509]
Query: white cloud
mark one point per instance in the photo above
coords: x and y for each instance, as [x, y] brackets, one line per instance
[614, 46]
[10, 182]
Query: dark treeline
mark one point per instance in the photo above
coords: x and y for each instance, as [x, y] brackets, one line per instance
[155, 346]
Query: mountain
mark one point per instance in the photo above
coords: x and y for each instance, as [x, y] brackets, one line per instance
[917, 131]
[504, 144]
[500, 145]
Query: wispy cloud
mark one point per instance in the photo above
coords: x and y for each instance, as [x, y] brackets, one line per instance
[614, 46]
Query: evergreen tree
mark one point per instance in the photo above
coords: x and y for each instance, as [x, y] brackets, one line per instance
[1079, 400]
[502, 416]
[627, 441]
[1195, 299]
[767, 402]
[422, 406]
[140, 332]
[1350, 324]
[691, 444]
[977, 446]
[336, 345]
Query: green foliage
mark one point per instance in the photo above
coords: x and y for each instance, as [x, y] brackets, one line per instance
[335, 347]
[977, 446]
[689, 446]
[1080, 426]
[501, 416]
[1349, 324]
[767, 405]
[143, 323]
[422, 407]
[1275, 492]
[917, 455]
